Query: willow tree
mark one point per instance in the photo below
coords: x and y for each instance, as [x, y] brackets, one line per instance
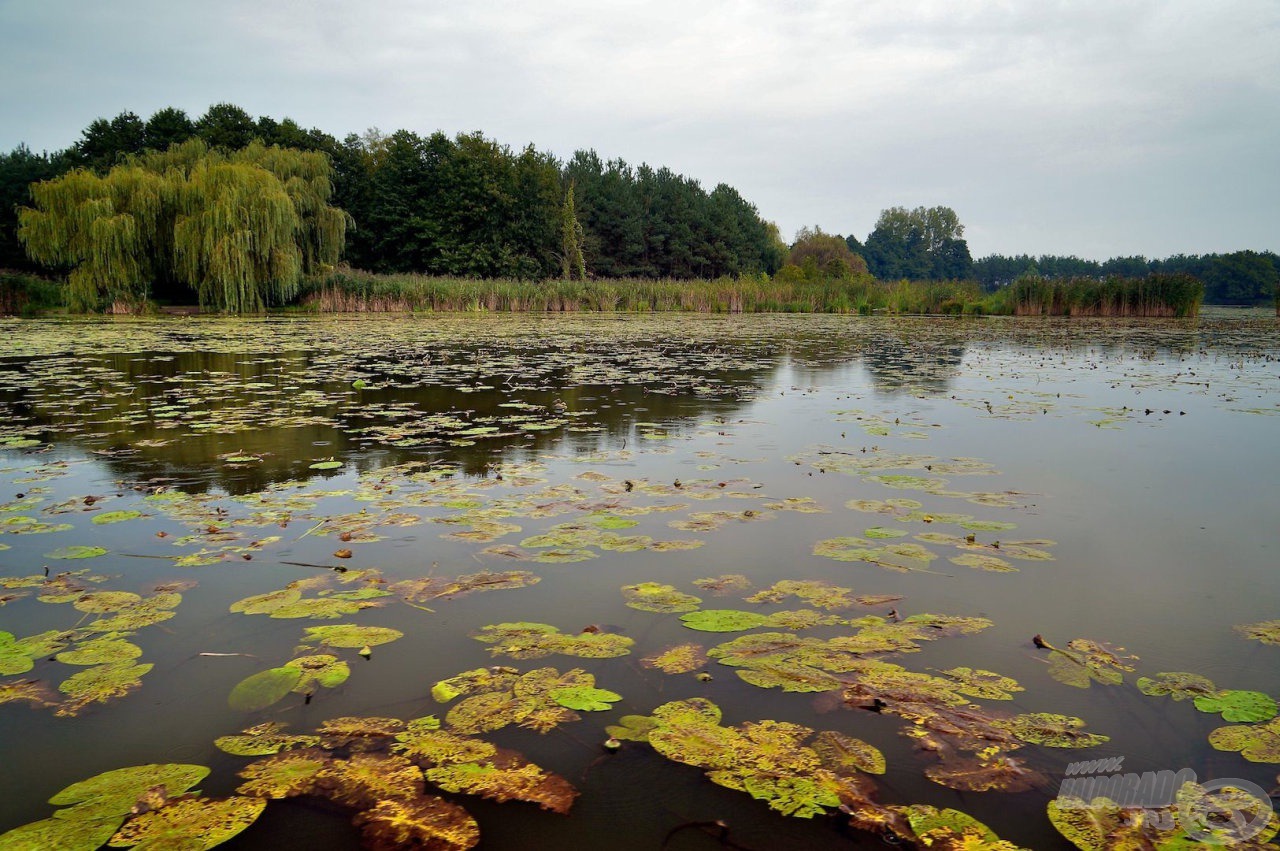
[239, 229]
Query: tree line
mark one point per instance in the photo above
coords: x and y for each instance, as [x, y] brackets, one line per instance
[1238, 277]
[464, 206]
[468, 206]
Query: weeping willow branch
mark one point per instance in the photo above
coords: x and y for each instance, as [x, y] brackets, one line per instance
[240, 229]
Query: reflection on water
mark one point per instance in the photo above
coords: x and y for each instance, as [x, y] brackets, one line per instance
[1077, 480]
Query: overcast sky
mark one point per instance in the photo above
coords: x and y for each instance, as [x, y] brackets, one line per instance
[1050, 126]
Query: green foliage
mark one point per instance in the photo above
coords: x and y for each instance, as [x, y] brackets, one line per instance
[240, 229]
[919, 244]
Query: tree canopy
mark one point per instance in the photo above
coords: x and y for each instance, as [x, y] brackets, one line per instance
[922, 244]
[238, 229]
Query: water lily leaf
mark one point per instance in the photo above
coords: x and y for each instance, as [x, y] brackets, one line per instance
[63, 834]
[585, 699]
[322, 670]
[505, 776]
[657, 597]
[981, 561]
[99, 684]
[115, 792]
[884, 506]
[100, 651]
[844, 754]
[364, 779]
[100, 602]
[680, 659]
[788, 676]
[997, 772]
[723, 620]
[429, 746]
[424, 822]
[1179, 685]
[526, 701]
[948, 829]
[1238, 705]
[536, 640]
[325, 465]
[108, 517]
[822, 595]
[1256, 742]
[265, 604]
[633, 728]
[987, 685]
[320, 608]
[725, 584]
[471, 682]
[1052, 731]
[352, 636]
[264, 688]
[285, 775]
[262, 740]
[359, 732]
[425, 590]
[189, 823]
[1230, 816]
[76, 551]
[1085, 660]
[883, 532]
[1268, 632]
[32, 691]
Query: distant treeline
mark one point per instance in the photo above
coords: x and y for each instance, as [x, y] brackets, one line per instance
[463, 206]
[1241, 277]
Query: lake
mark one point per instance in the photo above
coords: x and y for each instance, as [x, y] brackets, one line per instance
[863, 520]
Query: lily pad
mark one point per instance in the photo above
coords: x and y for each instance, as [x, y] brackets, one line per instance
[76, 551]
[585, 698]
[260, 690]
[723, 620]
[108, 517]
[1179, 685]
[536, 640]
[1238, 705]
[100, 684]
[1052, 731]
[262, 740]
[115, 792]
[422, 822]
[1268, 632]
[1256, 742]
[190, 823]
[352, 635]
[657, 597]
[680, 659]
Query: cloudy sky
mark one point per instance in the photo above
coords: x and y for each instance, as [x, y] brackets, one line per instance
[1088, 127]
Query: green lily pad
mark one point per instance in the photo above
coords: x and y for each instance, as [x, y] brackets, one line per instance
[352, 635]
[1052, 731]
[108, 517]
[585, 699]
[883, 532]
[262, 740]
[189, 823]
[680, 659]
[321, 670]
[63, 834]
[101, 683]
[1179, 685]
[76, 551]
[325, 465]
[264, 688]
[100, 651]
[1268, 632]
[115, 792]
[723, 620]
[1238, 705]
[657, 597]
[1255, 742]
[536, 640]
[285, 775]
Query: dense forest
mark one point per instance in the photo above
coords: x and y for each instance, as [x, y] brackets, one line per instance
[470, 207]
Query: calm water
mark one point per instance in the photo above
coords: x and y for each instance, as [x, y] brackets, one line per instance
[1141, 458]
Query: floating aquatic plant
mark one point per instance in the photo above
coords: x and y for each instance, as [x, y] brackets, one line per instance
[536, 640]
